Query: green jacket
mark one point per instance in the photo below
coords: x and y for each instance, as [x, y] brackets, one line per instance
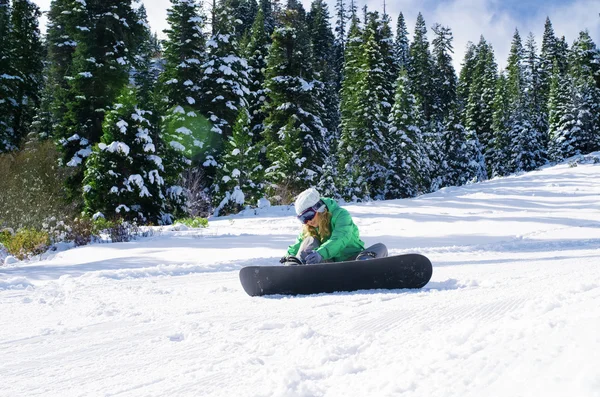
[344, 242]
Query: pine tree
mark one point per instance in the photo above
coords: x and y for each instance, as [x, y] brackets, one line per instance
[465, 79]
[479, 107]
[420, 68]
[124, 177]
[62, 35]
[548, 57]
[535, 101]
[526, 145]
[26, 62]
[100, 69]
[349, 116]
[370, 168]
[341, 38]
[584, 71]
[323, 45]
[405, 142]
[293, 131]
[401, 47]
[501, 127]
[145, 66]
[257, 52]
[224, 83]
[444, 75]
[390, 66]
[186, 134]
[7, 93]
[562, 128]
[241, 176]
[463, 161]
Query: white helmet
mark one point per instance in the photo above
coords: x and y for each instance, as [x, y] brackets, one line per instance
[307, 199]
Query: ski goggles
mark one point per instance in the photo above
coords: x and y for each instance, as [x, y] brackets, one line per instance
[309, 214]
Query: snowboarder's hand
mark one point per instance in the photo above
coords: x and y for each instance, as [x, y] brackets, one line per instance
[313, 258]
[283, 259]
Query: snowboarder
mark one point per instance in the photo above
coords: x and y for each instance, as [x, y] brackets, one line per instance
[328, 234]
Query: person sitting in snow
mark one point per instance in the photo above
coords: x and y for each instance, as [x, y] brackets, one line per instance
[328, 234]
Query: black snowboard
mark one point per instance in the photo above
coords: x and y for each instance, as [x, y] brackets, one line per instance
[400, 271]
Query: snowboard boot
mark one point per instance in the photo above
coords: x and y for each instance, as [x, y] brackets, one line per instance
[293, 261]
[365, 256]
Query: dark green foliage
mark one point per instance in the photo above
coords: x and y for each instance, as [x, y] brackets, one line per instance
[26, 63]
[240, 178]
[257, 52]
[401, 45]
[405, 143]
[420, 68]
[7, 101]
[293, 128]
[224, 85]
[479, 106]
[124, 175]
[99, 71]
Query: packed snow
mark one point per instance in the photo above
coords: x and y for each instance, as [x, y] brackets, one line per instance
[513, 308]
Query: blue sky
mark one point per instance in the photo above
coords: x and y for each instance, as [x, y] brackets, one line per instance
[496, 20]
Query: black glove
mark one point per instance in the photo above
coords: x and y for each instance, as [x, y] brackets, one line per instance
[283, 259]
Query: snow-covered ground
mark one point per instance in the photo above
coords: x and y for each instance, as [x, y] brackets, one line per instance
[513, 308]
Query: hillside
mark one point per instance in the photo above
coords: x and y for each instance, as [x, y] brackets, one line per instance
[513, 308]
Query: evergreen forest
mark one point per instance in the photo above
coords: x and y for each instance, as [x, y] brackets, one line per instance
[247, 100]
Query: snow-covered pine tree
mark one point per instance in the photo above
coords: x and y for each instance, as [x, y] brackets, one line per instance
[479, 107]
[371, 167]
[584, 62]
[99, 71]
[535, 102]
[501, 127]
[405, 143]
[64, 17]
[124, 177]
[146, 68]
[391, 70]
[349, 134]
[465, 79]
[293, 131]
[548, 56]
[444, 75]
[341, 38]
[256, 53]
[267, 8]
[185, 133]
[241, 175]
[562, 128]
[26, 62]
[7, 78]
[324, 55]
[526, 146]
[443, 97]
[224, 83]
[245, 11]
[463, 160]
[401, 45]
[420, 68]
[323, 46]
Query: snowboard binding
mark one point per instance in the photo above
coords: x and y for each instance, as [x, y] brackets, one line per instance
[293, 261]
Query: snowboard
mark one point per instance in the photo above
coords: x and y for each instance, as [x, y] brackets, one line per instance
[392, 272]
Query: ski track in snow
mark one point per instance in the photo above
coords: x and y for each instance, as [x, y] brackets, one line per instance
[513, 308]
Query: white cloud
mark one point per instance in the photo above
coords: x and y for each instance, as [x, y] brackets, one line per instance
[468, 19]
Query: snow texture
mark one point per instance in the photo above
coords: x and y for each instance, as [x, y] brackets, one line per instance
[513, 308]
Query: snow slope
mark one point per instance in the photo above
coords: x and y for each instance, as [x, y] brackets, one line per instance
[513, 308]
